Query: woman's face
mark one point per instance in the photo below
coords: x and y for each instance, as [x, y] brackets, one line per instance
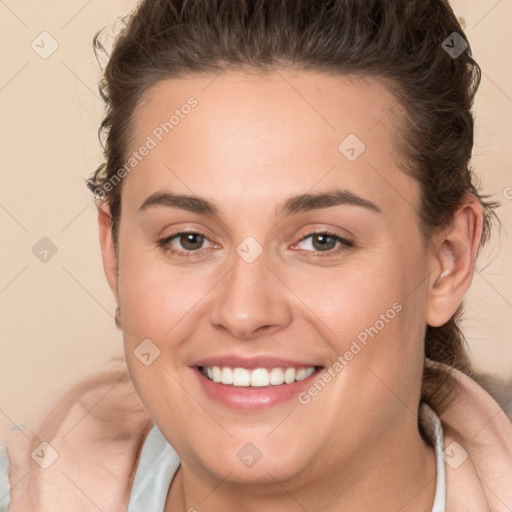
[254, 288]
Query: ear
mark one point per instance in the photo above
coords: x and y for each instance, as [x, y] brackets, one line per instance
[108, 252]
[453, 257]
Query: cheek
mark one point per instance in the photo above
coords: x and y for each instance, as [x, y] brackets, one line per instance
[371, 312]
[344, 301]
[159, 306]
[157, 301]
[154, 296]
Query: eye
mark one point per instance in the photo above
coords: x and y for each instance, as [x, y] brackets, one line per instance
[190, 241]
[325, 242]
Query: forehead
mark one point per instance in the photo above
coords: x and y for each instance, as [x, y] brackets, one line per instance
[318, 105]
[253, 134]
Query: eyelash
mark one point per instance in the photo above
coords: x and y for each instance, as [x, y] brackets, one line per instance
[164, 244]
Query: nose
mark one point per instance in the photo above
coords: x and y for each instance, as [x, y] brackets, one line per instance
[250, 300]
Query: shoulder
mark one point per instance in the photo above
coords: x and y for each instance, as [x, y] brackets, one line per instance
[84, 447]
[478, 446]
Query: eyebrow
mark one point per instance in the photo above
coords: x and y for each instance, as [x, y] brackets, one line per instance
[293, 205]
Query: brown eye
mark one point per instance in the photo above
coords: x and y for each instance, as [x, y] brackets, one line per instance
[324, 242]
[184, 244]
[191, 241]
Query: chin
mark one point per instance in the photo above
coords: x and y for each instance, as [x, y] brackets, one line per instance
[259, 461]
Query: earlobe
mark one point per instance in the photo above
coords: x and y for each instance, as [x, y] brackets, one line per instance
[108, 252]
[453, 259]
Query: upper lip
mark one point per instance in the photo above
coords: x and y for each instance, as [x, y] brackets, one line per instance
[252, 362]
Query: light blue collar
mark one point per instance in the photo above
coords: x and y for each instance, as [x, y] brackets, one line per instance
[157, 465]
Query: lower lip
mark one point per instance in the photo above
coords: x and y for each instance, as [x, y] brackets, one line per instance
[253, 398]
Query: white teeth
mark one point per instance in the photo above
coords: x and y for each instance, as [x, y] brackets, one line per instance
[304, 373]
[241, 377]
[276, 376]
[258, 377]
[227, 375]
[289, 375]
[216, 374]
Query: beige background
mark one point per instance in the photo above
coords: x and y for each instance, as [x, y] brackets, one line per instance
[57, 321]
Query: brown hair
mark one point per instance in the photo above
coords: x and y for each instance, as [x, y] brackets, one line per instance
[397, 42]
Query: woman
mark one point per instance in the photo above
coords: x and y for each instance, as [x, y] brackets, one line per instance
[289, 225]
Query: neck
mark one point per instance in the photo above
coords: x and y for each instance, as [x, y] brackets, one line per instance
[396, 473]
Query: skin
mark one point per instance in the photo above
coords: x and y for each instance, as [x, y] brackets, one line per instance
[252, 142]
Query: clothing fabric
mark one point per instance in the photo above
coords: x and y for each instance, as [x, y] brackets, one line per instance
[5, 493]
[106, 450]
[157, 466]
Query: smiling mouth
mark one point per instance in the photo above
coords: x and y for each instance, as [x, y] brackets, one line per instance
[256, 377]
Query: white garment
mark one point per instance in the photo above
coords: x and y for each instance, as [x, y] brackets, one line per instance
[159, 462]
